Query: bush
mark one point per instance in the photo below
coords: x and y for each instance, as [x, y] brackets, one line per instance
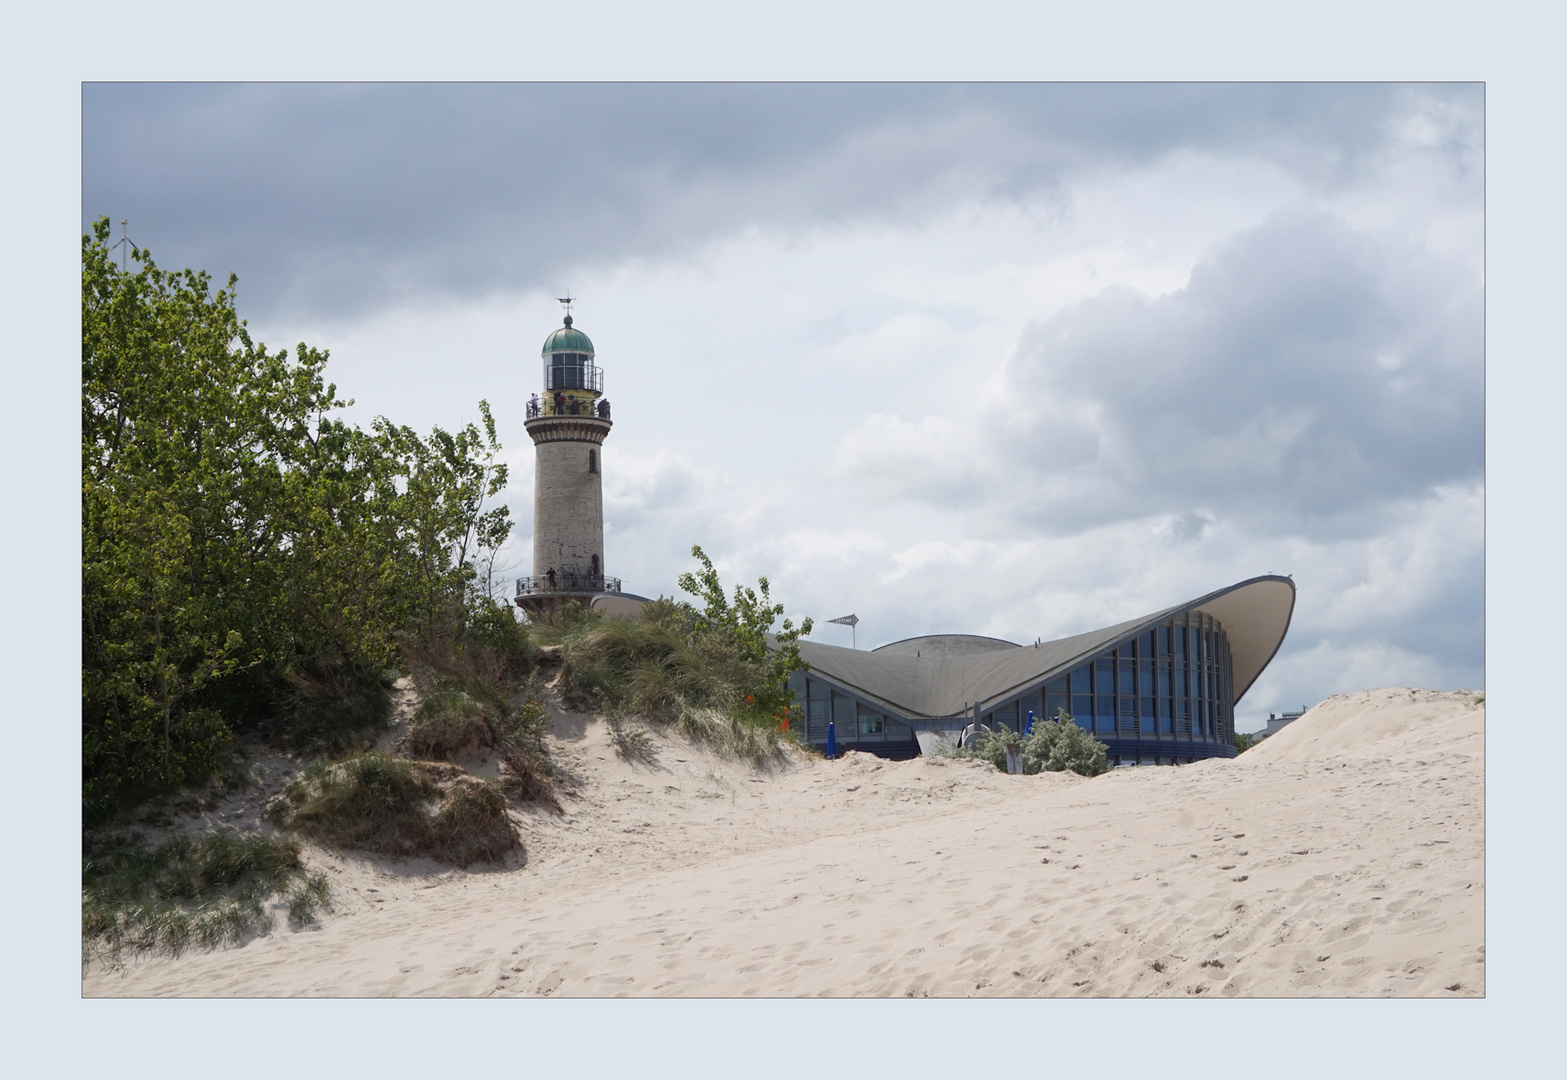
[1053, 746]
[1059, 745]
[330, 707]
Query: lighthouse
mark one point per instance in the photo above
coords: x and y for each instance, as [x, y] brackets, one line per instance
[568, 423]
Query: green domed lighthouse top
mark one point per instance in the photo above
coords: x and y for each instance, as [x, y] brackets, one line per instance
[567, 340]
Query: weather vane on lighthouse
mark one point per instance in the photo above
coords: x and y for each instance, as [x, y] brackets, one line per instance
[567, 300]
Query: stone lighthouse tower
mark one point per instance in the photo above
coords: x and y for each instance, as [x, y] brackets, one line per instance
[568, 424]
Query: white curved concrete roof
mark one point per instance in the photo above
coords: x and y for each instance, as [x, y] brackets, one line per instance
[938, 676]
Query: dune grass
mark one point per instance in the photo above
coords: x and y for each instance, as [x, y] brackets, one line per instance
[391, 806]
[658, 670]
[205, 891]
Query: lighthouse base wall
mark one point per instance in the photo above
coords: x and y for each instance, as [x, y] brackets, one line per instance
[568, 508]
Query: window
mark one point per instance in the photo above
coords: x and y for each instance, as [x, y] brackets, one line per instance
[1105, 718]
[593, 461]
[1080, 681]
[1164, 641]
[1104, 676]
[1082, 707]
[1166, 723]
[870, 722]
[819, 711]
[1124, 671]
[1147, 716]
[595, 566]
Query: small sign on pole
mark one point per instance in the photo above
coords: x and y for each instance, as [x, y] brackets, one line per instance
[851, 621]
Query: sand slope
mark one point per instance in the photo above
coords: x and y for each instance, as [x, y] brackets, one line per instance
[1344, 856]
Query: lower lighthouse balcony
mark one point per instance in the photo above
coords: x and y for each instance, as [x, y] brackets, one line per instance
[564, 406]
[566, 581]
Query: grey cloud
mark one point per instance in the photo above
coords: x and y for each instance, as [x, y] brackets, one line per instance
[1309, 373]
[335, 199]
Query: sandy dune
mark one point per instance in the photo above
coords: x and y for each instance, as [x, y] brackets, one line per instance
[1343, 857]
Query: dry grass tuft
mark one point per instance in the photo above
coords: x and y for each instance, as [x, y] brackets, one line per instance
[448, 726]
[402, 808]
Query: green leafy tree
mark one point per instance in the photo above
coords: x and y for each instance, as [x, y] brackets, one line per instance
[234, 533]
[746, 622]
[1244, 741]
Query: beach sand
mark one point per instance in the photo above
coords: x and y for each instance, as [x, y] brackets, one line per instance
[1343, 857]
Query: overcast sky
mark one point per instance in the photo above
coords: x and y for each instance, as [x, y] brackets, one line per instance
[1015, 360]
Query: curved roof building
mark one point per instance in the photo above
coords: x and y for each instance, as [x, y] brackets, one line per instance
[1159, 689]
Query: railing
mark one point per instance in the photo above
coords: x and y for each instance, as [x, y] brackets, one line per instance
[566, 581]
[567, 407]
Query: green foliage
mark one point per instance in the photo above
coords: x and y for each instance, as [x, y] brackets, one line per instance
[992, 747]
[745, 624]
[1055, 745]
[205, 891]
[1059, 745]
[669, 666]
[330, 708]
[1244, 741]
[235, 534]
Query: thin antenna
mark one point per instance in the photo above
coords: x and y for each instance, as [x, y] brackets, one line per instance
[125, 242]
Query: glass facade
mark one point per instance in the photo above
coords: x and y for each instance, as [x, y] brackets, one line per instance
[1158, 695]
[856, 724]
